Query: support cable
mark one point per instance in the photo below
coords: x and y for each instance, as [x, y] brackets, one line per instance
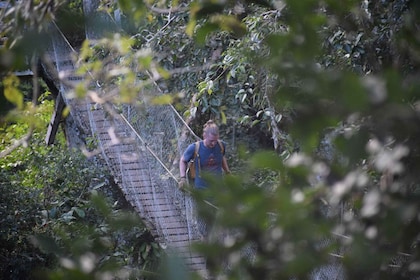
[147, 147]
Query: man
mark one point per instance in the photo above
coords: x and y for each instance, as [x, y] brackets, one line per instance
[210, 157]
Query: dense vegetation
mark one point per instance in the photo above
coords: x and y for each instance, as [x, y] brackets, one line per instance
[56, 199]
[328, 88]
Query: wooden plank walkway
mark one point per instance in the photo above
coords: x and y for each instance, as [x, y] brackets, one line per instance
[133, 168]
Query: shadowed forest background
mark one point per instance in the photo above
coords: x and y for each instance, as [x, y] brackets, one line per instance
[317, 100]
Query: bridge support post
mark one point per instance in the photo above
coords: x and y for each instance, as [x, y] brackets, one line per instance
[55, 120]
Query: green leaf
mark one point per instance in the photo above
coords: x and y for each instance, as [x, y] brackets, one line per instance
[243, 98]
[193, 111]
[203, 31]
[266, 159]
[11, 91]
[207, 8]
[135, 8]
[46, 244]
[189, 30]
[230, 23]
[163, 72]
[79, 212]
[162, 99]
[223, 116]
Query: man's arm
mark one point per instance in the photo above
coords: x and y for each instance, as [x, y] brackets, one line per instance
[225, 165]
[182, 183]
[182, 167]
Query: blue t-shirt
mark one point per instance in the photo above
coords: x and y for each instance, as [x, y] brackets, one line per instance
[210, 160]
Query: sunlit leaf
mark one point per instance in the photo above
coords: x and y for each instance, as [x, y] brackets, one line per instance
[203, 31]
[230, 23]
[79, 212]
[223, 116]
[11, 91]
[190, 28]
[164, 73]
[162, 99]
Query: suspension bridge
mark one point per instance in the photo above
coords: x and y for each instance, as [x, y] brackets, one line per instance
[140, 146]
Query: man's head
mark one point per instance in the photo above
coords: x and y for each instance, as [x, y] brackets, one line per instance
[210, 134]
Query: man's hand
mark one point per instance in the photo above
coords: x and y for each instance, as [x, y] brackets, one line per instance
[182, 184]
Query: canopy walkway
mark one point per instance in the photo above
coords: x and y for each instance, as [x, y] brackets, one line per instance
[140, 146]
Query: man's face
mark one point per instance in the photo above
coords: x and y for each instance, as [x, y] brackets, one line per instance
[210, 140]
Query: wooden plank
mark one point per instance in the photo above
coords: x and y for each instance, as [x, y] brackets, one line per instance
[140, 186]
[152, 211]
[146, 192]
[178, 237]
[165, 210]
[161, 213]
[161, 207]
[154, 199]
[136, 185]
[137, 181]
[173, 235]
[150, 191]
[174, 225]
[134, 167]
[150, 202]
[136, 175]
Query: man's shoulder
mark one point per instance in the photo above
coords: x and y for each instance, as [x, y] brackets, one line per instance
[222, 145]
[193, 146]
[197, 145]
[223, 142]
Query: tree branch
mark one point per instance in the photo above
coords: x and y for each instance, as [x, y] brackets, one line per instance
[21, 142]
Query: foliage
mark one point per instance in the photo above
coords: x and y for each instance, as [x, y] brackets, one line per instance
[217, 80]
[93, 241]
[51, 198]
[360, 205]
[23, 31]
[334, 81]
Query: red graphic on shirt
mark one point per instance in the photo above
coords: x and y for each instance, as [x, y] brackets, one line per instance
[211, 161]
